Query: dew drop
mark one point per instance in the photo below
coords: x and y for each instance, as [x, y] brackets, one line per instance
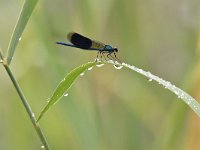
[42, 147]
[20, 39]
[90, 68]
[33, 115]
[195, 107]
[82, 74]
[66, 94]
[188, 102]
[140, 70]
[48, 99]
[99, 65]
[116, 62]
[117, 67]
[124, 63]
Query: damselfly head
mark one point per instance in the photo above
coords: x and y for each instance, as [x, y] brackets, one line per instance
[115, 49]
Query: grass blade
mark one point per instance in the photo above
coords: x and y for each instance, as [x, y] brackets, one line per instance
[189, 100]
[64, 85]
[25, 14]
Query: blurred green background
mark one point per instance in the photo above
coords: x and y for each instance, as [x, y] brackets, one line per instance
[107, 109]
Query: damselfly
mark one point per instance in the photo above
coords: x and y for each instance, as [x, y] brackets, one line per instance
[82, 42]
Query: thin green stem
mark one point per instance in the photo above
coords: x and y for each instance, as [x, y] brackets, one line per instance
[27, 107]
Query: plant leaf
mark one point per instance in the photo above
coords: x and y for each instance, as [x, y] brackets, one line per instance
[64, 85]
[188, 99]
[25, 14]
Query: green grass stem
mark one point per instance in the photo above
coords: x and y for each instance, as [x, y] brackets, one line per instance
[27, 107]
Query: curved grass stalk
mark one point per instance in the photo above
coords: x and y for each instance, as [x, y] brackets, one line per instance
[27, 107]
[69, 79]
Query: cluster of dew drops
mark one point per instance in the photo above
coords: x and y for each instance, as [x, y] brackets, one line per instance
[115, 64]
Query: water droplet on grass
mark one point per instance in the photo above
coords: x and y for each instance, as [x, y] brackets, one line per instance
[90, 68]
[99, 65]
[195, 107]
[33, 115]
[20, 39]
[42, 147]
[82, 74]
[188, 102]
[118, 67]
[66, 94]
